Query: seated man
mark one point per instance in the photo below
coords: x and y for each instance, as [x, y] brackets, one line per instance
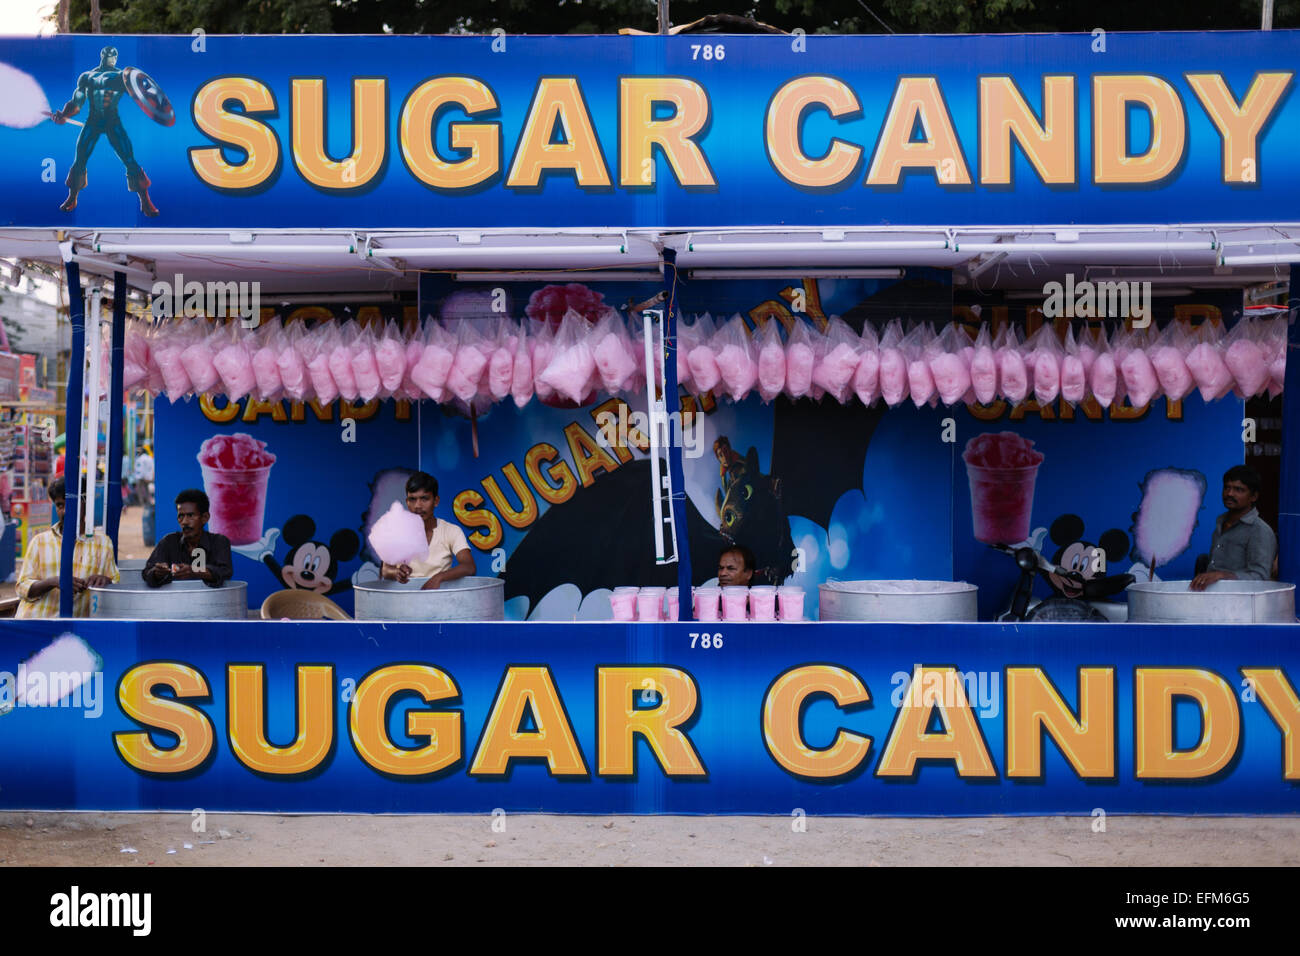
[1243, 547]
[446, 540]
[736, 567]
[193, 553]
[38, 581]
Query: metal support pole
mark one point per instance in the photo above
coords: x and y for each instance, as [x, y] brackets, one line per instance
[114, 446]
[96, 342]
[72, 431]
[676, 442]
[1288, 517]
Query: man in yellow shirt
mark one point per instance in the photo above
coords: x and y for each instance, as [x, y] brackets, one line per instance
[446, 540]
[38, 582]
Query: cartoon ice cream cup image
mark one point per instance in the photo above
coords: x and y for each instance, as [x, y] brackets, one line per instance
[1002, 468]
[235, 472]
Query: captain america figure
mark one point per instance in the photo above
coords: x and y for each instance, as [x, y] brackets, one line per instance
[103, 87]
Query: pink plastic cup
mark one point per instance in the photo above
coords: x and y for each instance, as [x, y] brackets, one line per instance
[734, 601]
[622, 601]
[673, 605]
[1001, 500]
[762, 602]
[650, 604]
[238, 501]
[706, 603]
[791, 601]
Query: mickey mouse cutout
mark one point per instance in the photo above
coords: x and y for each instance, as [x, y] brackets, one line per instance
[1085, 563]
[311, 565]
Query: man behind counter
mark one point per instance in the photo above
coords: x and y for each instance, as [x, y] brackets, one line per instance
[736, 567]
[177, 556]
[1243, 546]
[445, 540]
[93, 565]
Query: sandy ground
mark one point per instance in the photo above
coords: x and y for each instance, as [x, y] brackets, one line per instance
[99, 839]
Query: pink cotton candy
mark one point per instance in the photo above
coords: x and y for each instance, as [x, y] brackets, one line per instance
[614, 363]
[738, 371]
[390, 360]
[1047, 375]
[834, 372]
[951, 376]
[1171, 370]
[1012, 374]
[197, 359]
[521, 380]
[541, 349]
[1074, 379]
[322, 382]
[920, 381]
[430, 374]
[266, 372]
[398, 536]
[466, 370]
[866, 377]
[1104, 379]
[176, 381]
[339, 360]
[799, 360]
[771, 368]
[236, 371]
[569, 373]
[1088, 355]
[1211, 375]
[704, 368]
[1277, 371]
[893, 376]
[1246, 360]
[984, 374]
[133, 374]
[365, 370]
[293, 371]
[1139, 377]
[501, 371]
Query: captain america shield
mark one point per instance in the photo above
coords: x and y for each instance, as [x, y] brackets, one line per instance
[148, 95]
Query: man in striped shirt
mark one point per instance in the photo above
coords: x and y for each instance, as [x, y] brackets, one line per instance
[38, 582]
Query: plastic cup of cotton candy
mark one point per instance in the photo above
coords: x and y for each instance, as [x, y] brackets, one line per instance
[236, 469]
[1002, 469]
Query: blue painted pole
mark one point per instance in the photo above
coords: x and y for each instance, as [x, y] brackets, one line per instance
[1288, 517]
[72, 431]
[676, 442]
[113, 447]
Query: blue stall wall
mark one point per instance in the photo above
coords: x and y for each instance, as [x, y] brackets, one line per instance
[84, 754]
[819, 490]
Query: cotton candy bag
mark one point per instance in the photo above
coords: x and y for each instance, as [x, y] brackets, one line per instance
[470, 361]
[771, 360]
[1140, 381]
[205, 341]
[315, 347]
[1074, 375]
[235, 365]
[390, 359]
[737, 365]
[702, 359]
[135, 357]
[836, 355]
[984, 367]
[501, 362]
[521, 374]
[1044, 364]
[1213, 378]
[571, 367]
[1275, 349]
[541, 343]
[266, 345]
[1168, 359]
[688, 336]
[613, 353]
[920, 380]
[340, 361]
[1246, 359]
[866, 377]
[799, 360]
[893, 365]
[289, 363]
[1103, 377]
[1013, 375]
[365, 370]
[171, 341]
[950, 364]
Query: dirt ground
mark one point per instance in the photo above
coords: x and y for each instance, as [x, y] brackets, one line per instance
[107, 839]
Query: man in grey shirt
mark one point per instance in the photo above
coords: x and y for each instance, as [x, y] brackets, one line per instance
[1243, 546]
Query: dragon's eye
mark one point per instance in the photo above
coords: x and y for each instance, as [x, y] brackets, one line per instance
[749, 491]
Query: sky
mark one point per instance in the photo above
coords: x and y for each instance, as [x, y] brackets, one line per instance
[23, 17]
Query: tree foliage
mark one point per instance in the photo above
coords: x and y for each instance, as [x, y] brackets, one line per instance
[608, 16]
